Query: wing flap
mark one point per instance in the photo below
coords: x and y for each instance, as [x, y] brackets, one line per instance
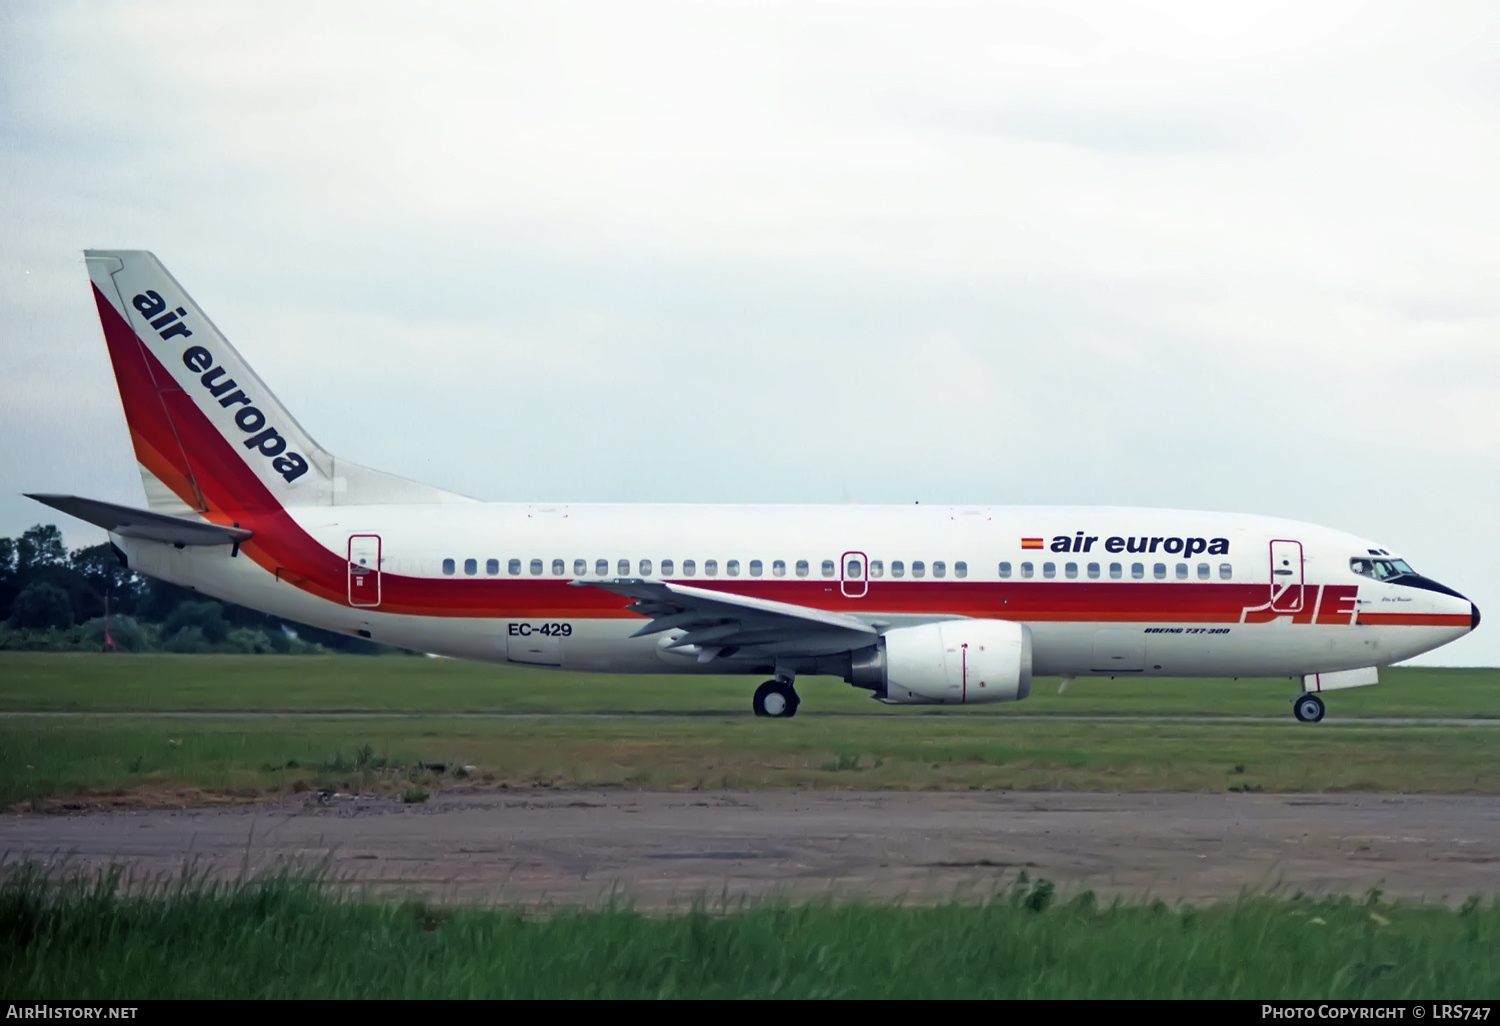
[724, 622]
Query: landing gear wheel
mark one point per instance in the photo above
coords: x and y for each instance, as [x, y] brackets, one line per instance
[775, 698]
[1308, 708]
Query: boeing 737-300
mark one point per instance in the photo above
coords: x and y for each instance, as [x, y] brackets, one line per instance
[917, 604]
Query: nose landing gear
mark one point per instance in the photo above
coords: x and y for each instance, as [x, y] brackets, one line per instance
[777, 699]
[1308, 708]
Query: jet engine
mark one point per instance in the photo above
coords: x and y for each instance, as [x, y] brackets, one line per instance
[950, 662]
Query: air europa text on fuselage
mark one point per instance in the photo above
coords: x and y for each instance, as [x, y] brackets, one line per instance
[263, 438]
[1082, 541]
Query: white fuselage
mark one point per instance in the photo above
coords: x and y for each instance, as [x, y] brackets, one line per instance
[1137, 592]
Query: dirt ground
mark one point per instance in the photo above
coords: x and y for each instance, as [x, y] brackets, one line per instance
[668, 849]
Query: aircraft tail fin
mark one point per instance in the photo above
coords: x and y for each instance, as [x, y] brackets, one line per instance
[209, 436]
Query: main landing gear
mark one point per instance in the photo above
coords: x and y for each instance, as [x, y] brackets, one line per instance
[776, 698]
[1308, 708]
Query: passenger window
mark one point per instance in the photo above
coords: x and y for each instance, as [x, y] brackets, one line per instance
[1226, 572]
[1203, 573]
[1116, 571]
[1004, 569]
[536, 567]
[1137, 570]
[852, 569]
[918, 568]
[1071, 570]
[1182, 571]
[898, 568]
[960, 569]
[471, 567]
[732, 568]
[492, 567]
[1049, 569]
[755, 568]
[645, 568]
[623, 567]
[559, 568]
[449, 566]
[939, 568]
[829, 569]
[778, 568]
[711, 567]
[689, 568]
[513, 567]
[877, 568]
[666, 568]
[601, 567]
[1025, 569]
[802, 568]
[580, 567]
[1159, 571]
[1093, 571]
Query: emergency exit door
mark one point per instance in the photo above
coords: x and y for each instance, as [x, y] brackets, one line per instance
[1286, 576]
[364, 570]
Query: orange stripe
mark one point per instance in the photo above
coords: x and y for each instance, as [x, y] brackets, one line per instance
[164, 470]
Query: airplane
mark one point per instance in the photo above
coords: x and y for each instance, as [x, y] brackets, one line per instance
[916, 604]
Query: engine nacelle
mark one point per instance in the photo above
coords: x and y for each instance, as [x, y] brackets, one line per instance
[951, 662]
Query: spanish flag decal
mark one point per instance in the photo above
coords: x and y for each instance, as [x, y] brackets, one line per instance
[1031, 543]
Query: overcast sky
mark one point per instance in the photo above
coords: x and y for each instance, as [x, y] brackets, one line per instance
[1232, 256]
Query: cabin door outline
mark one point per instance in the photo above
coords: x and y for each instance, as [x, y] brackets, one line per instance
[1287, 573]
[364, 571]
[854, 574]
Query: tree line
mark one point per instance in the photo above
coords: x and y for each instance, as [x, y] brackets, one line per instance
[86, 600]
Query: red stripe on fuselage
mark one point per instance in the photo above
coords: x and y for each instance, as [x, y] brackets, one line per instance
[1414, 619]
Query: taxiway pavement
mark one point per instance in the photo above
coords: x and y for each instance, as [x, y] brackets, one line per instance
[668, 849]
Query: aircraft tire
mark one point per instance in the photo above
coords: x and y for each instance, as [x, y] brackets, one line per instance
[776, 699]
[1308, 708]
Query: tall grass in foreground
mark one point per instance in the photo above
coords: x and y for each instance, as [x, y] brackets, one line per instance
[289, 936]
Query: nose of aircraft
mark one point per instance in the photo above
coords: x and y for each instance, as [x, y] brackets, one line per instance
[1473, 617]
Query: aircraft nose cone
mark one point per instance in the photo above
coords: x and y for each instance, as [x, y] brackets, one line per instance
[1473, 617]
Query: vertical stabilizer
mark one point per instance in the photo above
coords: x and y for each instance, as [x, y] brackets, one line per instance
[208, 434]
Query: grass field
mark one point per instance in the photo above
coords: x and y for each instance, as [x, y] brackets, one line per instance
[403, 716]
[86, 682]
[287, 937]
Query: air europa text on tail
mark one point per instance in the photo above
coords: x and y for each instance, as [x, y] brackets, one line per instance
[263, 438]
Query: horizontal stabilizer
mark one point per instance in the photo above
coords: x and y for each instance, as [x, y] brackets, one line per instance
[138, 523]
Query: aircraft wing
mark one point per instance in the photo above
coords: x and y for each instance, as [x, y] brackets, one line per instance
[139, 523]
[723, 624]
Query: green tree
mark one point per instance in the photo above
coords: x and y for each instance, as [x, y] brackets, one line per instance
[41, 545]
[10, 582]
[189, 639]
[101, 569]
[127, 634]
[41, 605]
[203, 620]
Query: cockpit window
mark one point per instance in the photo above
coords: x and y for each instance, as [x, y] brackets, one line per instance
[1380, 569]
